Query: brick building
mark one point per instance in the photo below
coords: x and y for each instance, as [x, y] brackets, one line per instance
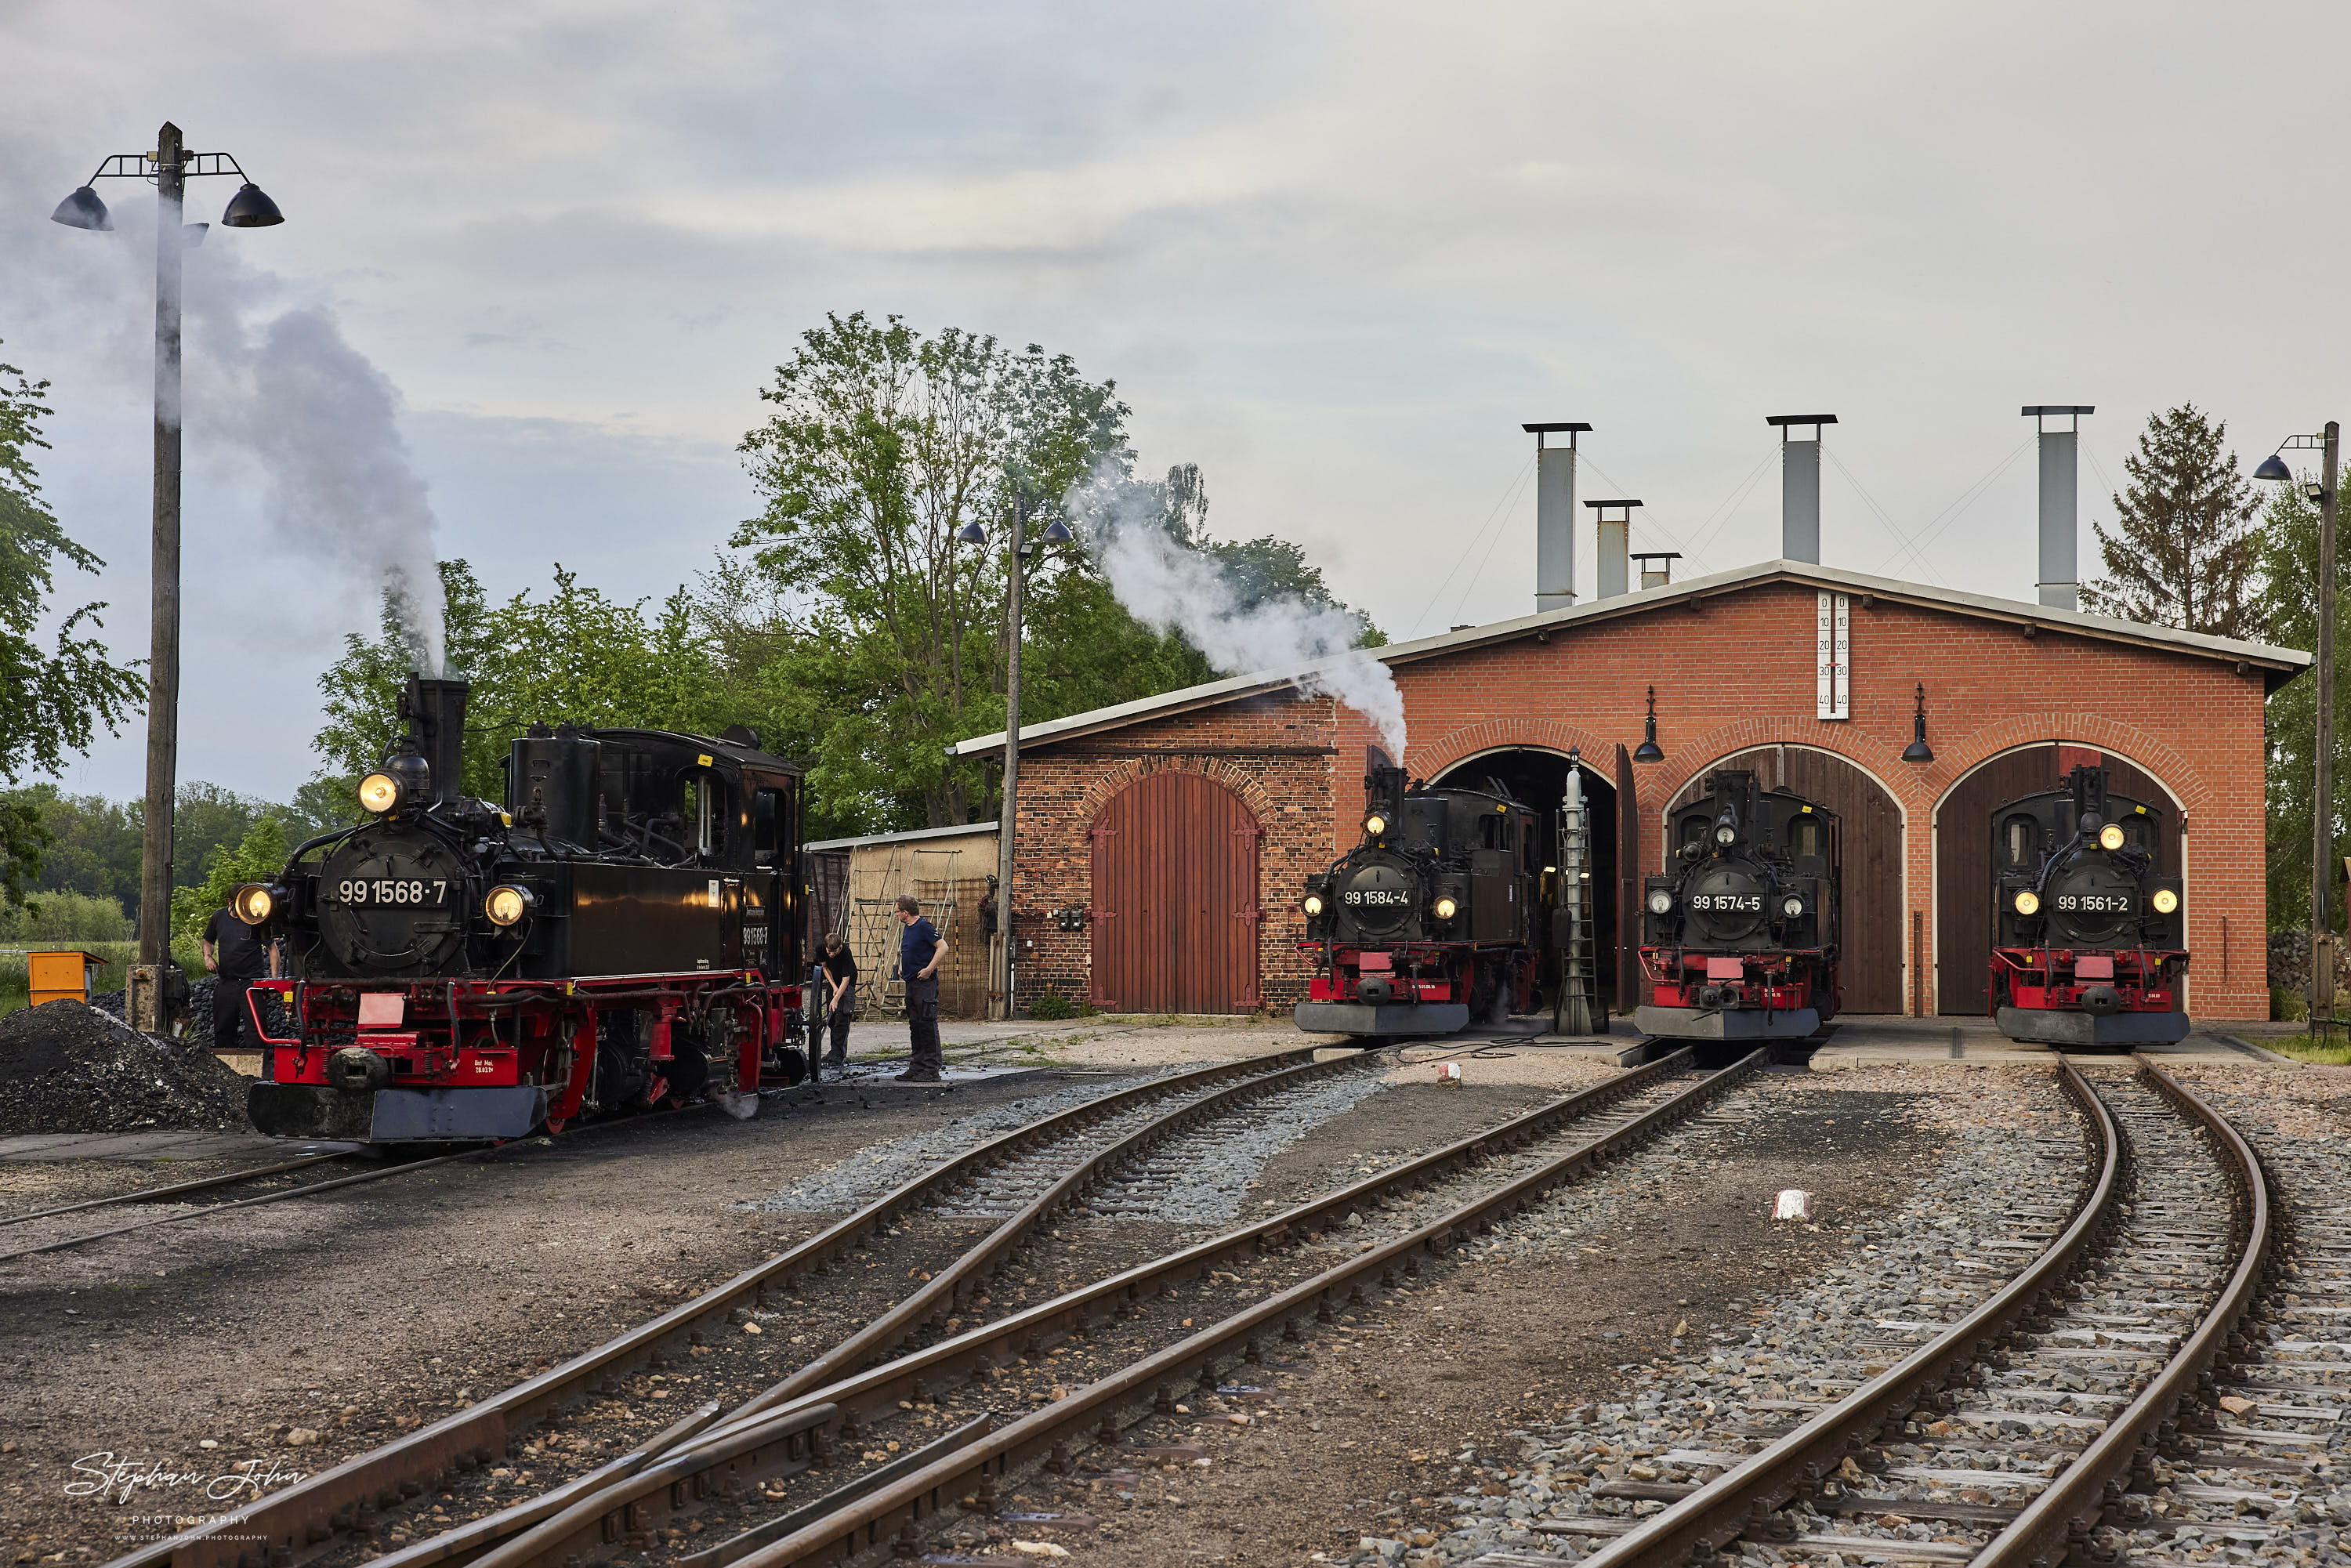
[1161, 844]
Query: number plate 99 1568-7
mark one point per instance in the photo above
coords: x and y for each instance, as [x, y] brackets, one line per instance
[392, 890]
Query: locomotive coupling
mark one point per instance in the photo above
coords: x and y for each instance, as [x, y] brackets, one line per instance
[355, 1070]
[2101, 1001]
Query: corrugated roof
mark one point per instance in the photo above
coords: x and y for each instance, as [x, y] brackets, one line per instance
[907, 837]
[2278, 664]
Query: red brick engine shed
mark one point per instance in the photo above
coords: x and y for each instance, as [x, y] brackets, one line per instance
[1162, 844]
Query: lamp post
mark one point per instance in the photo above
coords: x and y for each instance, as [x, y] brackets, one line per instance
[169, 168]
[1056, 532]
[2322, 794]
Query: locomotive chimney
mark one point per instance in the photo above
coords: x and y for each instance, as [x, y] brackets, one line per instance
[1554, 516]
[1800, 485]
[2060, 568]
[435, 712]
[1614, 562]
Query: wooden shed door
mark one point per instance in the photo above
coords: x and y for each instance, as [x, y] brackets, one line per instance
[1175, 911]
[1873, 928]
[1963, 857]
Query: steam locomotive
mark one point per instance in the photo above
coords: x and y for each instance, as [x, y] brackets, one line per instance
[623, 934]
[1430, 922]
[2089, 943]
[1739, 937]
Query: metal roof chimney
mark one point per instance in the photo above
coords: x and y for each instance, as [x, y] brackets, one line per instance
[2060, 576]
[1554, 516]
[1800, 486]
[1614, 570]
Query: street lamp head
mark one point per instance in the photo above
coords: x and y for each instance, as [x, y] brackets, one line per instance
[83, 210]
[2272, 466]
[972, 534]
[1056, 532]
[250, 209]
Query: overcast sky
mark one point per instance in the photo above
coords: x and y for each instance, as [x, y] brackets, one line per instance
[1335, 254]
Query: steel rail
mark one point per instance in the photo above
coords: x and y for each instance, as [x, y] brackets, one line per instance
[313, 1509]
[1796, 1464]
[975, 1350]
[2054, 1526]
[156, 1193]
[894, 1515]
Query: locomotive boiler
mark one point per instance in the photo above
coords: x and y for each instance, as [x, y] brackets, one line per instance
[1740, 936]
[2089, 946]
[1429, 922]
[622, 933]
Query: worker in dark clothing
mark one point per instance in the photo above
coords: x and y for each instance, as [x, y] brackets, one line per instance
[839, 974]
[920, 950]
[234, 955]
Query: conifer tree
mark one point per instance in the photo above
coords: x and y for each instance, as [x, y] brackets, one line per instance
[2184, 551]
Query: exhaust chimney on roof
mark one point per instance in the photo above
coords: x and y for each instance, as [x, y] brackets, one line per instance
[2061, 578]
[1612, 570]
[1800, 486]
[1554, 517]
[1661, 574]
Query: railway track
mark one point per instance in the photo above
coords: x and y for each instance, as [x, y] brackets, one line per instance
[2020, 1431]
[972, 1413]
[1039, 1169]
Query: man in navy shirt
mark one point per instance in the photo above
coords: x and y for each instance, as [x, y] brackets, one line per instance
[920, 950]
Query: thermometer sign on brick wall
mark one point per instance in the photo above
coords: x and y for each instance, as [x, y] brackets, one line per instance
[1833, 639]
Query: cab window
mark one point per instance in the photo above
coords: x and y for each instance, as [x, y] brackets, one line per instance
[763, 828]
[2019, 842]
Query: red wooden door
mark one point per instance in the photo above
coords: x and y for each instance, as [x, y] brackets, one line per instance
[1176, 912]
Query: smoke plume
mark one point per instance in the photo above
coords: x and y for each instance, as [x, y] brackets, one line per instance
[1169, 586]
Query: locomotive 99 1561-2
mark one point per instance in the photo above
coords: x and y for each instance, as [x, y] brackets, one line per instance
[2089, 943]
[1740, 936]
[622, 933]
[1430, 921]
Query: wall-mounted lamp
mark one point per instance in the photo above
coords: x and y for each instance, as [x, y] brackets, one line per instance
[1918, 750]
[1649, 750]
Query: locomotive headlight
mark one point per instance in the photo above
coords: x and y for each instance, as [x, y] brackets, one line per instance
[2110, 836]
[2164, 901]
[379, 792]
[504, 905]
[1375, 824]
[2028, 902]
[1311, 903]
[1792, 906]
[252, 904]
[1661, 902]
[1445, 908]
[1726, 834]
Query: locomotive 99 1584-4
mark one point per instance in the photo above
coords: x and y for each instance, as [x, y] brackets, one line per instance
[1430, 921]
[1740, 936]
[2089, 943]
[621, 934]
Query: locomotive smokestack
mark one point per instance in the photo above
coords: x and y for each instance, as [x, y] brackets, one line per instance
[1554, 516]
[435, 712]
[1800, 485]
[2060, 568]
[1614, 562]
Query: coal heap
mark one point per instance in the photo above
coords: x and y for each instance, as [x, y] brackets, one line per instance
[68, 1068]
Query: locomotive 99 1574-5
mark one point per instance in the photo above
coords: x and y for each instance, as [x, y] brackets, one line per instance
[1740, 936]
[2089, 943]
[1429, 922]
[621, 934]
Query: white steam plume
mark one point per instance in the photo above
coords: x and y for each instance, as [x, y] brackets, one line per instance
[1167, 585]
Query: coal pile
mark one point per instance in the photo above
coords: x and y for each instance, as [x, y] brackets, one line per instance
[67, 1068]
[197, 1022]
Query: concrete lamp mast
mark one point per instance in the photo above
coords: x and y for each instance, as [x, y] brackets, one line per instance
[148, 1002]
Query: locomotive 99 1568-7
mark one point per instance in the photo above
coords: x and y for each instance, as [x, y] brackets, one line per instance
[2089, 943]
[621, 934]
[1430, 921]
[1740, 936]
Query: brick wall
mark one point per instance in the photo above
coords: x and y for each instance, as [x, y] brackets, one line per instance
[1734, 673]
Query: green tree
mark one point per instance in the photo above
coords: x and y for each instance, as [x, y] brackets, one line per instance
[2184, 552]
[258, 856]
[2289, 566]
[50, 703]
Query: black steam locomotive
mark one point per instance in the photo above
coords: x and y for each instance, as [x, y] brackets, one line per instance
[1431, 921]
[1739, 940]
[2089, 935]
[624, 932]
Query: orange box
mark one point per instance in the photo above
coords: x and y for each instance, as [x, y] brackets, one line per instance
[63, 973]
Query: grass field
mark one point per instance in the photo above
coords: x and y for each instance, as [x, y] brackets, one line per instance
[2335, 1052]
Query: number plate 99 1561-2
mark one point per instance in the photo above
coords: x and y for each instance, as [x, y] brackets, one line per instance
[388, 890]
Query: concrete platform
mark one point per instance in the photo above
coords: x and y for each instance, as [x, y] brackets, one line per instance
[32, 1147]
[1872, 1039]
